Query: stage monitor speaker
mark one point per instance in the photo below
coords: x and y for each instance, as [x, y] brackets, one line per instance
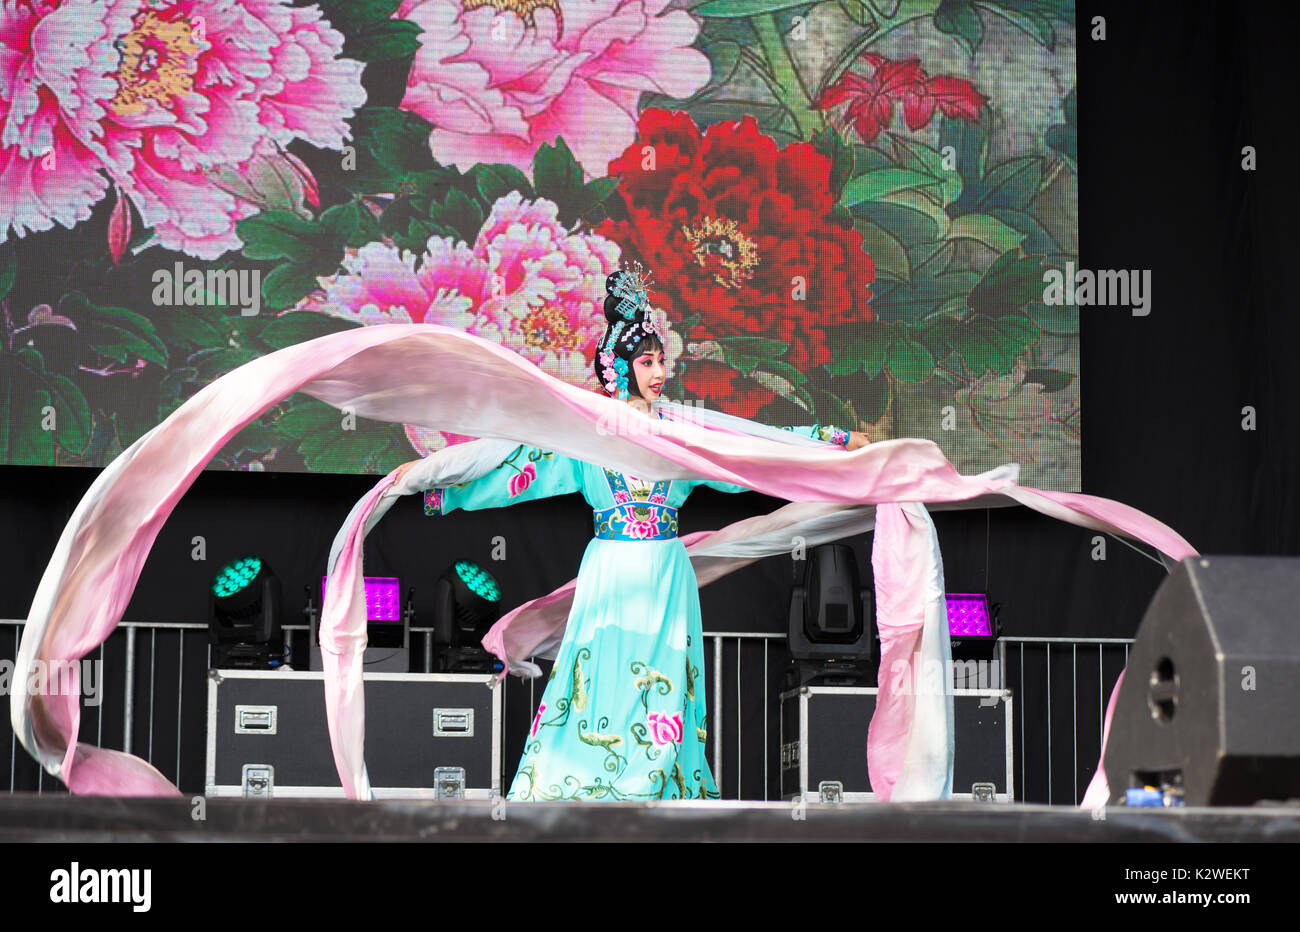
[1210, 704]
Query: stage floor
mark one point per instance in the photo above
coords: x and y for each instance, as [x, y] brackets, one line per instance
[28, 817]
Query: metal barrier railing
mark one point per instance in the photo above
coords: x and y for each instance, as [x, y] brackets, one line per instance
[1024, 678]
[717, 643]
[740, 731]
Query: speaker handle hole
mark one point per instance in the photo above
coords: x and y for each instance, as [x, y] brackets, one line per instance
[1162, 696]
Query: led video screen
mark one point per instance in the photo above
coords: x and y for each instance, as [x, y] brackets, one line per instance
[848, 209]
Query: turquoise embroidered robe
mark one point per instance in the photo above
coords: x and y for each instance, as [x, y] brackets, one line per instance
[623, 715]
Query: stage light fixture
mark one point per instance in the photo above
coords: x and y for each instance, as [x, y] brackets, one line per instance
[830, 621]
[388, 625]
[969, 616]
[385, 626]
[973, 629]
[383, 597]
[479, 581]
[244, 627]
[467, 599]
[236, 576]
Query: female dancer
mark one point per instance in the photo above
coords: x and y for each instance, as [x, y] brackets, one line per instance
[623, 713]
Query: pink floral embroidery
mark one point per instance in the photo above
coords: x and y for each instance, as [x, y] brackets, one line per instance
[638, 527]
[522, 480]
[665, 728]
[538, 720]
[433, 502]
[622, 497]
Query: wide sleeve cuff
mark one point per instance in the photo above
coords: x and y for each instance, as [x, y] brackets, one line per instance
[433, 502]
[831, 434]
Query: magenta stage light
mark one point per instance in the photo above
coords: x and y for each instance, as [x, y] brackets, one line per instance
[382, 601]
[968, 615]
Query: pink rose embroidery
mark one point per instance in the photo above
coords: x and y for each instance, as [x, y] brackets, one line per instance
[665, 728]
[522, 480]
[538, 720]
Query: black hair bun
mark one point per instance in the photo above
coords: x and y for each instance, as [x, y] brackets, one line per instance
[612, 301]
[612, 315]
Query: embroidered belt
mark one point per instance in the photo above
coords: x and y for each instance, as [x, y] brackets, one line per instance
[636, 521]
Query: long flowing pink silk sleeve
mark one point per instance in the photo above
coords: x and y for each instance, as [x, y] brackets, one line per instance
[1098, 791]
[416, 374]
[909, 755]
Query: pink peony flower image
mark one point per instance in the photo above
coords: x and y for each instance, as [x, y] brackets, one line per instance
[497, 80]
[526, 284]
[157, 98]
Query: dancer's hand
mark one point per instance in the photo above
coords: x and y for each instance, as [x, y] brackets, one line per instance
[857, 439]
[402, 471]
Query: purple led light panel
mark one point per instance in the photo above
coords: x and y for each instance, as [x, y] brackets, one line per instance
[968, 615]
[382, 600]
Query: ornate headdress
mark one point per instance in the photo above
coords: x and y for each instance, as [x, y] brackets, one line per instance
[627, 309]
[631, 283]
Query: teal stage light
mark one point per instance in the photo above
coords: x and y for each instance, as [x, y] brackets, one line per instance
[236, 576]
[479, 580]
[467, 600]
[244, 625]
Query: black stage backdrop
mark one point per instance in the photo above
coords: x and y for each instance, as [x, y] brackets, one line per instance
[1166, 103]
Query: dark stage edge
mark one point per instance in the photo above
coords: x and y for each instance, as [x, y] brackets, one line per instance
[29, 817]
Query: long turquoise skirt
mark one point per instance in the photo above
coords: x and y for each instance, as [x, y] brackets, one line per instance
[624, 714]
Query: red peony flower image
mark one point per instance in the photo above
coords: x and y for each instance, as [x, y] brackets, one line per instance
[721, 386]
[871, 99]
[742, 235]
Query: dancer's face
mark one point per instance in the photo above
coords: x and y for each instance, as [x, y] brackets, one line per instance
[650, 373]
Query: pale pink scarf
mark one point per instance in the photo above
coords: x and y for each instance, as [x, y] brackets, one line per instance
[444, 378]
